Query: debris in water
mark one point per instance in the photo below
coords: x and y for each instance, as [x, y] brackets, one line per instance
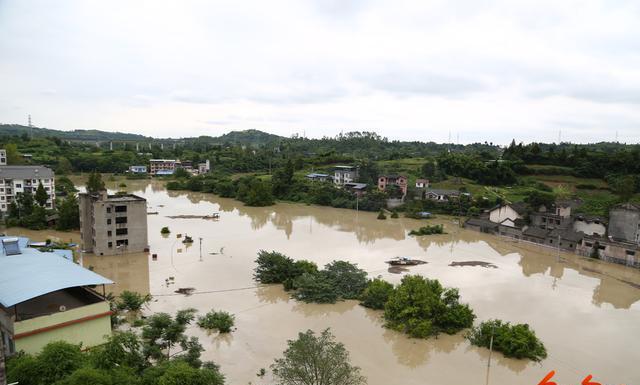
[474, 263]
[185, 290]
[152, 213]
[213, 216]
[405, 261]
[216, 253]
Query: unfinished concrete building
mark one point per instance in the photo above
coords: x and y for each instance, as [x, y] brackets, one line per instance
[113, 224]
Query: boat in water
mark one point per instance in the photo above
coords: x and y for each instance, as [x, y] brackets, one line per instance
[405, 261]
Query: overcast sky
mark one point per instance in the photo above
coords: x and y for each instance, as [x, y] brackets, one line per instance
[408, 69]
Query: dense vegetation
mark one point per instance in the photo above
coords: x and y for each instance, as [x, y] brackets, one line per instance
[259, 168]
[316, 360]
[517, 341]
[129, 357]
[217, 320]
[421, 308]
[428, 230]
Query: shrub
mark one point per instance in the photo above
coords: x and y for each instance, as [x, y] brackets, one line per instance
[394, 214]
[273, 267]
[339, 280]
[381, 215]
[428, 230]
[165, 230]
[316, 288]
[376, 294]
[217, 320]
[422, 307]
[517, 341]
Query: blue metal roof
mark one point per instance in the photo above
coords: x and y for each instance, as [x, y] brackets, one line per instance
[33, 273]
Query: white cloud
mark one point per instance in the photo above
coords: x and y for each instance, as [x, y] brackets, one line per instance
[409, 69]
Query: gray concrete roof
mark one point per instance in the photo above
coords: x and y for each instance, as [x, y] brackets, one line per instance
[25, 172]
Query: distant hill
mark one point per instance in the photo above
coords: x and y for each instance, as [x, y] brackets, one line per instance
[248, 137]
[16, 129]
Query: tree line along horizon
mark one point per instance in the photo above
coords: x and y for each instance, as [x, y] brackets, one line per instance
[265, 170]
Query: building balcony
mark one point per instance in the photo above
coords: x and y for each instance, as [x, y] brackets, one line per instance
[74, 315]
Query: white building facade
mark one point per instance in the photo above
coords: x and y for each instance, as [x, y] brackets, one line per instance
[19, 179]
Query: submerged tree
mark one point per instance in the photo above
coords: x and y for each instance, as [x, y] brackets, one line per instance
[95, 183]
[316, 360]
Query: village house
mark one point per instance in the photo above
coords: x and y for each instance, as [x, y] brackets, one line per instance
[138, 169]
[556, 217]
[359, 189]
[482, 225]
[511, 212]
[345, 174]
[589, 225]
[440, 195]
[57, 302]
[422, 183]
[624, 223]
[393, 180]
[625, 253]
[317, 177]
[565, 239]
[204, 167]
[113, 224]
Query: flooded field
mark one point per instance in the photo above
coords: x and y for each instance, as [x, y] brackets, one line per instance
[586, 312]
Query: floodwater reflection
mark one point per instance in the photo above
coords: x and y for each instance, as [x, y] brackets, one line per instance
[572, 303]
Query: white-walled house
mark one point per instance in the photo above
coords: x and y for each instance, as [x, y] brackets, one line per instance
[511, 211]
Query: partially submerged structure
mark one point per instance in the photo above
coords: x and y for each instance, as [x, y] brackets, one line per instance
[45, 297]
[113, 224]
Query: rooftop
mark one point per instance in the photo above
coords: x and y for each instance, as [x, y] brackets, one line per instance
[25, 172]
[124, 198]
[356, 186]
[33, 273]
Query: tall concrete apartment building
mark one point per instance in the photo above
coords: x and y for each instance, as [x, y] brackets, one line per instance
[20, 179]
[163, 166]
[113, 224]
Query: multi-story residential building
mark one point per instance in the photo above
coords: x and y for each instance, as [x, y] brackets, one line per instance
[345, 174]
[45, 297]
[393, 180]
[20, 179]
[113, 224]
[163, 166]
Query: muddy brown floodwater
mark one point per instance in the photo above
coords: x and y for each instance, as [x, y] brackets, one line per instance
[586, 312]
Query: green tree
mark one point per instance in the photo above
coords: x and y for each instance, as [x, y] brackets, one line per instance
[124, 349]
[346, 278]
[57, 360]
[376, 294]
[41, 195]
[273, 267]
[624, 186]
[282, 179]
[422, 307]
[13, 156]
[132, 301]
[68, 213]
[316, 360]
[95, 183]
[162, 332]
[177, 372]
[517, 341]
[64, 166]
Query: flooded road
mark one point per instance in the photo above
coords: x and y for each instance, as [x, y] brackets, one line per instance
[586, 312]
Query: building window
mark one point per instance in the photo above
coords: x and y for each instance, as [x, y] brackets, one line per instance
[121, 242]
[109, 233]
[550, 240]
[108, 210]
[18, 185]
[122, 231]
[588, 244]
[121, 209]
[631, 252]
[109, 244]
[108, 221]
[121, 220]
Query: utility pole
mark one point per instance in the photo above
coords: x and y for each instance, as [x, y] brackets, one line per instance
[200, 249]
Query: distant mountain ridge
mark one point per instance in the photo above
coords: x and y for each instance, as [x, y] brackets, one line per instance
[246, 137]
